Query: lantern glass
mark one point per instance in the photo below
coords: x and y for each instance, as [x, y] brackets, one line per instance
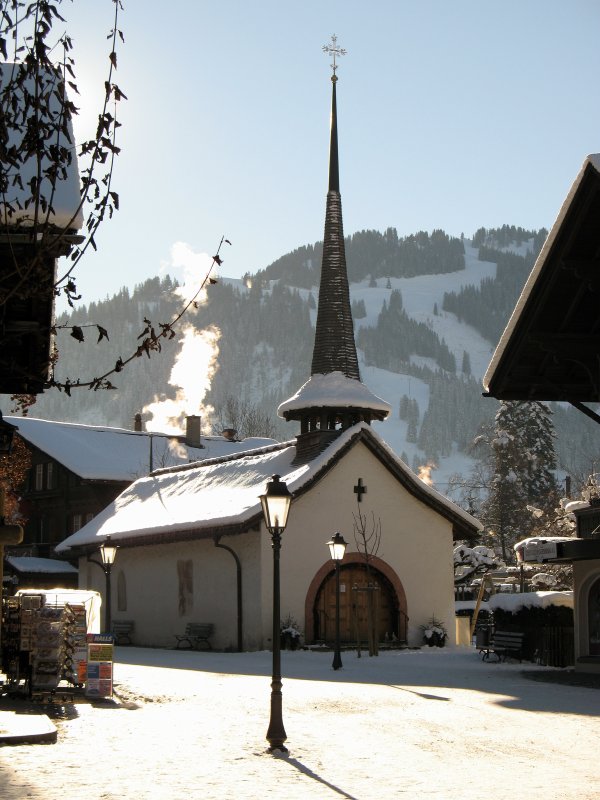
[108, 552]
[337, 546]
[276, 504]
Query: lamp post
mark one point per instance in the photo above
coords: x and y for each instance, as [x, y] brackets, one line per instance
[108, 553]
[337, 548]
[276, 505]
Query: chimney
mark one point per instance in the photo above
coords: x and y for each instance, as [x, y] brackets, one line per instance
[137, 423]
[230, 434]
[192, 431]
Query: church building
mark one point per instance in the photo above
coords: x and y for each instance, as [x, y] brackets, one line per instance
[192, 541]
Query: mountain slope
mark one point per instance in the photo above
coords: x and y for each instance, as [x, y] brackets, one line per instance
[422, 307]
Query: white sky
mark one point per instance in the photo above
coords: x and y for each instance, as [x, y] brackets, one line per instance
[451, 115]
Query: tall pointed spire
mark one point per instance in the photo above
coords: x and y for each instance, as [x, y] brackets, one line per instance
[333, 398]
[334, 349]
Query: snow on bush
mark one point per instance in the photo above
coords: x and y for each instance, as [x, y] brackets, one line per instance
[515, 602]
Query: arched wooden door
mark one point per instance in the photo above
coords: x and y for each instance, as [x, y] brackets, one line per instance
[360, 594]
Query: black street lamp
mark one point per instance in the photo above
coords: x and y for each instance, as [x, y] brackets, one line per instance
[337, 548]
[108, 553]
[276, 505]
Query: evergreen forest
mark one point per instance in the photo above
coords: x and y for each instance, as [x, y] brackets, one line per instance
[265, 328]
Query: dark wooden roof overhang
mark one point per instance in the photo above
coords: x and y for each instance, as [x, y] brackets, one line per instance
[337, 410]
[576, 550]
[27, 279]
[553, 349]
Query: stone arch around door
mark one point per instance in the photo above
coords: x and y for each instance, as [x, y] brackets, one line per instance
[592, 606]
[588, 595]
[321, 594]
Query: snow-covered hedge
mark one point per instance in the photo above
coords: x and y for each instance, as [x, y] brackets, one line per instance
[515, 602]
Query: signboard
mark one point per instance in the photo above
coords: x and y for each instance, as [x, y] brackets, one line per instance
[539, 551]
[99, 680]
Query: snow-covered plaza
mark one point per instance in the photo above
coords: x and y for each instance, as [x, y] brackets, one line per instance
[430, 723]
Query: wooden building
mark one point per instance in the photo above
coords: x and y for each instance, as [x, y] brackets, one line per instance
[550, 350]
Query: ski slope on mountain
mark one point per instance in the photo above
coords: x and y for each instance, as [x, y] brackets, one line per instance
[419, 295]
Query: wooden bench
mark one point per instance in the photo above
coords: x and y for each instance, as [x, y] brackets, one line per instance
[504, 644]
[196, 633]
[122, 630]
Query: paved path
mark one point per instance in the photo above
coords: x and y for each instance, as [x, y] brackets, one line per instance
[415, 725]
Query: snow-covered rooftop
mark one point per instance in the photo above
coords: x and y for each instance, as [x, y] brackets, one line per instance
[45, 565]
[576, 505]
[118, 454]
[336, 390]
[65, 211]
[225, 492]
[594, 161]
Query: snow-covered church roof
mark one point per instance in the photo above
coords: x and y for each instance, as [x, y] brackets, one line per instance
[333, 389]
[222, 495]
[117, 454]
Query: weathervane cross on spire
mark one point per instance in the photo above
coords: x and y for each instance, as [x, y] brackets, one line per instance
[335, 50]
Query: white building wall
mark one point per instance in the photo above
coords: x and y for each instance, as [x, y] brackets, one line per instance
[152, 590]
[416, 541]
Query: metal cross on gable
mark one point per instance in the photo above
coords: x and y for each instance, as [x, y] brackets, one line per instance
[359, 490]
[335, 50]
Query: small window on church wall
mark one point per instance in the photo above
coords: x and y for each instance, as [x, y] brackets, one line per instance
[185, 575]
[121, 591]
[594, 618]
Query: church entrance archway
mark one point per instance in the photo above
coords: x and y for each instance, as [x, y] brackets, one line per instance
[594, 618]
[377, 591]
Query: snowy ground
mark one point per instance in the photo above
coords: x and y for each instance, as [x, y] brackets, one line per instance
[415, 724]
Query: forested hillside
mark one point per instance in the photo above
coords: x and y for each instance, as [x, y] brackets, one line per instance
[428, 311]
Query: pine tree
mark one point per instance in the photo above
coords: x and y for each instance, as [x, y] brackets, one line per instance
[523, 460]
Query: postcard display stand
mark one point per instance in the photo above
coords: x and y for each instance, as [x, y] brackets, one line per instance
[43, 644]
[99, 681]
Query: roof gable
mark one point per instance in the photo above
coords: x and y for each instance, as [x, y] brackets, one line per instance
[222, 495]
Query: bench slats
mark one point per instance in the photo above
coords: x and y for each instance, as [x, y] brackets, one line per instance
[122, 630]
[503, 644]
[195, 634]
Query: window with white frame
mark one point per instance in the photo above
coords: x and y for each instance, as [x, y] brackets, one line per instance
[39, 477]
[50, 475]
